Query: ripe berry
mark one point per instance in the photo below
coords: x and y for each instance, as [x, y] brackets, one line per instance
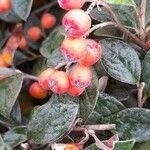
[48, 20]
[73, 49]
[34, 33]
[148, 44]
[76, 22]
[37, 91]
[75, 91]
[23, 43]
[80, 76]
[59, 82]
[2, 62]
[71, 4]
[44, 77]
[94, 53]
[5, 6]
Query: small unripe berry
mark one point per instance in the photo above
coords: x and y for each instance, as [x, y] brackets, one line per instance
[5, 6]
[2, 62]
[37, 91]
[73, 49]
[71, 4]
[76, 22]
[48, 20]
[34, 33]
[44, 77]
[23, 43]
[94, 53]
[59, 82]
[75, 91]
[80, 76]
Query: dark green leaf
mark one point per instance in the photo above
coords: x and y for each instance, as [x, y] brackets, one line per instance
[122, 2]
[121, 61]
[22, 8]
[131, 123]
[106, 105]
[53, 120]
[142, 146]
[1, 143]
[9, 90]
[146, 73]
[53, 41]
[15, 136]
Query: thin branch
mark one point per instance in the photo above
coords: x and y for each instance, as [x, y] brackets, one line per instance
[100, 25]
[140, 94]
[47, 6]
[62, 64]
[28, 76]
[95, 127]
[92, 5]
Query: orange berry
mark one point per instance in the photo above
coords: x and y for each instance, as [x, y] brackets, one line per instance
[48, 20]
[5, 6]
[73, 49]
[44, 77]
[37, 91]
[76, 22]
[94, 53]
[75, 91]
[34, 33]
[80, 76]
[2, 62]
[23, 43]
[71, 4]
[59, 82]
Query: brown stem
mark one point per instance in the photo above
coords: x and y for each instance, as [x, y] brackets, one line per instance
[28, 76]
[95, 127]
[135, 39]
[140, 94]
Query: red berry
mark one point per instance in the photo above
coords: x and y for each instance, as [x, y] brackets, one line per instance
[76, 22]
[34, 33]
[75, 91]
[5, 6]
[73, 49]
[48, 20]
[23, 43]
[148, 44]
[71, 4]
[44, 77]
[37, 91]
[94, 53]
[59, 82]
[2, 62]
[80, 76]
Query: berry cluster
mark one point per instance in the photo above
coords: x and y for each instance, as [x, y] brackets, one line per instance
[75, 49]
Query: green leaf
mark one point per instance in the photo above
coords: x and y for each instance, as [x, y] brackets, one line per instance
[146, 73]
[7, 72]
[1, 143]
[106, 105]
[119, 145]
[142, 146]
[131, 123]
[53, 120]
[121, 61]
[125, 14]
[122, 2]
[22, 8]
[9, 90]
[15, 136]
[55, 58]
[53, 42]
[10, 17]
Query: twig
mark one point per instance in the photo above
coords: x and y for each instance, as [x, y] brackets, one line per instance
[141, 19]
[51, 4]
[92, 5]
[100, 25]
[140, 94]
[135, 39]
[28, 76]
[62, 64]
[95, 127]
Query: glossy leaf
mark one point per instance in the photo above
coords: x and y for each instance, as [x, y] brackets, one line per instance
[121, 61]
[53, 120]
[9, 90]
